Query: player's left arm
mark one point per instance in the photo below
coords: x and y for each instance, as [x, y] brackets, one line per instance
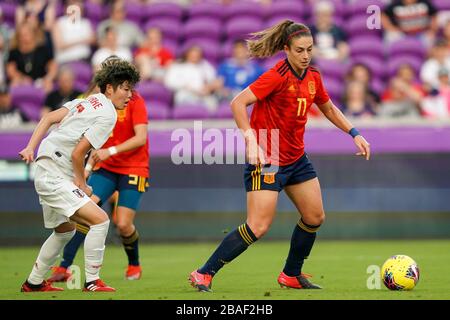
[339, 120]
[138, 140]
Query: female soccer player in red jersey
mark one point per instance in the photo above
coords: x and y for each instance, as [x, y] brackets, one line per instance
[275, 151]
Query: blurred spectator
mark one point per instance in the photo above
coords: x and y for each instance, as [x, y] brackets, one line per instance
[64, 93]
[193, 80]
[437, 106]
[440, 59]
[10, 116]
[129, 34]
[39, 14]
[356, 102]
[30, 62]
[330, 40]
[73, 38]
[109, 47]
[238, 71]
[6, 34]
[359, 72]
[152, 59]
[403, 96]
[410, 18]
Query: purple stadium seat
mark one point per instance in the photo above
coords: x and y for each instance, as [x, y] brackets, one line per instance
[394, 63]
[190, 111]
[29, 99]
[170, 28]
[224, 111]
[377, 66]
[378, 85]
[287, 9]
[357, 26]
[275, 19]
[82, 71]
[441, 4]
[272, 61]
[240, 28]
[334, 87]
[360, 7]
[330, 68]
[207, 28]
[211, 48]
[244, 10]
[94, 12]
[154, 91]
[206, 10]
[408, 46]
[9, 13]
[134, 12]
[163, 10]
[366, 45]
[157, 110]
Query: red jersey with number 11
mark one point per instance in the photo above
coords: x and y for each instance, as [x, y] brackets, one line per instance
[284, 98]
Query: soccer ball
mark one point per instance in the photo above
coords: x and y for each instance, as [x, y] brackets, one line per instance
[400, 272]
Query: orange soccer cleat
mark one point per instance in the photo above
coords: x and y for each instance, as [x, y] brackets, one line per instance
[97, 286]
[298, 282]
[45, 286]
[59, 274]
[133, 272]
[201, 281]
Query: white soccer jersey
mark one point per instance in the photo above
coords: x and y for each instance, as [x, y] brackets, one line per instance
[93, 117]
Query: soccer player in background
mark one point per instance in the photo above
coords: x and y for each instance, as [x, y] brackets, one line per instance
[122, 165]
[282, 98]
[82, 124]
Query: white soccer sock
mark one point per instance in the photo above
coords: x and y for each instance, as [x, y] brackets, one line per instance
[50, 251]
[94, 248]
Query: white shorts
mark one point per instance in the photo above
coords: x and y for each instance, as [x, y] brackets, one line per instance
[58, 195]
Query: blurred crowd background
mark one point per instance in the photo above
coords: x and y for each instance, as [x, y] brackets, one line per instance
[193, 58]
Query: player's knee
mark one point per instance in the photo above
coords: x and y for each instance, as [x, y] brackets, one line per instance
[259, 229]
[315, 219]
[124, 228]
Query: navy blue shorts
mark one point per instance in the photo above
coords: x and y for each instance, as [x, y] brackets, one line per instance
[273, 178]
[104, 183]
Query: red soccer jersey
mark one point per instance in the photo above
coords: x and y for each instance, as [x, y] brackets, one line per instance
[134, 161]
[284, 99]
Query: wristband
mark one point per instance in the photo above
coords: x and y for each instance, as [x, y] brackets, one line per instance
[88, 167]
[354, 132]
[112, 150]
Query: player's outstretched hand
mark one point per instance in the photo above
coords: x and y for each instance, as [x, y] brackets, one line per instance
[101, 155]
[363, 146]
[27, 155]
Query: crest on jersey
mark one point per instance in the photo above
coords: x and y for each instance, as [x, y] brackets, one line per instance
[312, 87]
[121, 114]
[79, 193]
[269, 178]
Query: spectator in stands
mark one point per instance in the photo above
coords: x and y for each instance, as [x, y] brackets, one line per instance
[109, 47]
[29, 61]
[64, 93]
[437, 104]
[403, 96]
[440, 59]
[359, 72]
[193, 80]
[152, 58]
[10, 115]
[330, 40]
[410, 18]
[73, 38]
[356, 102]
[40, 14]
[129, 34]
[238, 71]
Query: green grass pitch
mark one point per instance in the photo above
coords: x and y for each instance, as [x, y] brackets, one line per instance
[339, 266]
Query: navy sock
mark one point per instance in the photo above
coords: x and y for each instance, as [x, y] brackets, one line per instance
[302, 242]
[232, 246]
[71, 248]
[131, 247]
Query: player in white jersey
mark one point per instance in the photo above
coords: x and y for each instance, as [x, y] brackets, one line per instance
[83, 124]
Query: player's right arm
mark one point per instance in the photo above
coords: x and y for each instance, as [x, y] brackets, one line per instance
[40, 131]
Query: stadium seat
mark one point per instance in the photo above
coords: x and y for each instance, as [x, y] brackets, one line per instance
[134, 12]
[9, 13]
[163, 10]
[275, 19]
[366, 45]
[95, 12]
[206, 28]
[288, 9]
[82, 72]
[244, 10]
[171, 28]
[394, 63]
[335, 88]
[190, 111]
[407, 46]
[212, 10]
[441, 4]
[357, 26]
[211, 49]
[377, 67]
[224, 111]
[331, 69]
[154, 91]
[157, 110]
[240, 28]
[29, 99]
[358, 8]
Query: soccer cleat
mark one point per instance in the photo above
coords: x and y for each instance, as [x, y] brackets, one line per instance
[201, 281]
[133, 272]
[45, 286]
[97, 286]
[59, 274]
[298, 282]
